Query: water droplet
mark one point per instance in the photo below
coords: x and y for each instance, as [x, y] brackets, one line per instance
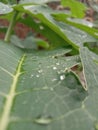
[41, 27]
[43, 120]
[54, 68]
[54, 79]
[60, 71]
[40, 71]
[62, 77]
[31, 76]
[57, 63]
[66, 69]
[37, 76]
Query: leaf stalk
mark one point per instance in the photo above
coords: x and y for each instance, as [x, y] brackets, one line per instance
[11, 26]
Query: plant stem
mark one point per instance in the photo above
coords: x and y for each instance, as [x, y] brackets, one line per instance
[10, 28]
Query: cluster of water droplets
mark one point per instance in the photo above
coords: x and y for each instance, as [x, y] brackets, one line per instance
[40, 71]
[38, 74]
[60, 72]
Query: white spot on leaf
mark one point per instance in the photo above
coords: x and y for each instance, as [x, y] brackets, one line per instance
[37, 76]
[43, 120]
[62, 77]
[54, 68]
[31, 76]
[51, 89]
[40, 71]
[57, 63]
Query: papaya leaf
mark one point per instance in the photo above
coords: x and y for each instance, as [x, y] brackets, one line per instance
[90, 66]
[35, 90]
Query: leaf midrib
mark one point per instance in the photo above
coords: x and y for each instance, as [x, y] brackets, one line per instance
[10, 98]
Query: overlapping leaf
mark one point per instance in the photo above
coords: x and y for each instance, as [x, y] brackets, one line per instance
[78, 23]
[65, 32]
[44, 14]
[90, 66]
[4, 9]
[29, 43]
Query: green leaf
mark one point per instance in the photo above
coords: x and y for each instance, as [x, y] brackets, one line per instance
[4, 9]
[4, 1]
[9, 1]
[78, 23]
[74, 6]
[90, 66]
[40, 92]
[54, 39]
[29, 42]
[44, 14]
[37, 93]
[71, 35]
[76, 35]
[37, 2]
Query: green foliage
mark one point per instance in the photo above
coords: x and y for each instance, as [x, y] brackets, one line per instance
[77, 8]
[40, 83]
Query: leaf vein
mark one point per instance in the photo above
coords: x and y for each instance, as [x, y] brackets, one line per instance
[9, 101]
